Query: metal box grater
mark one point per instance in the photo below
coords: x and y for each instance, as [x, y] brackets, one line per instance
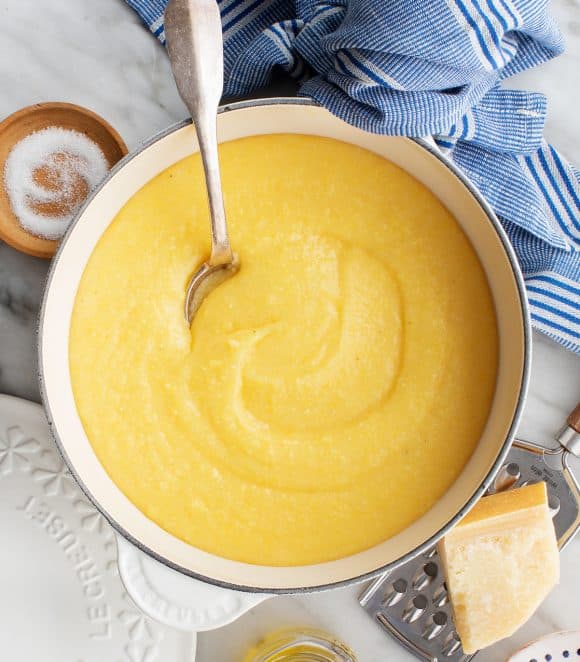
[411, 601]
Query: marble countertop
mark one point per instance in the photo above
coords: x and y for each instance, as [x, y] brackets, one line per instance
[98, 55]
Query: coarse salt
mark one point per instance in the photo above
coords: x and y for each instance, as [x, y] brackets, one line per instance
[47, 177]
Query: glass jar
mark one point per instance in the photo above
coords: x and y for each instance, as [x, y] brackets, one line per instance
[303, 645]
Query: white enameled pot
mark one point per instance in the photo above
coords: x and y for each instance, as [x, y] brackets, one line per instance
[421, 160]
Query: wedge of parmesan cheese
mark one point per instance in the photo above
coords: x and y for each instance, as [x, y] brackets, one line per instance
[500, 562]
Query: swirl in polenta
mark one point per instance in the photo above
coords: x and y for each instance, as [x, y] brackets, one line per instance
[327, 395]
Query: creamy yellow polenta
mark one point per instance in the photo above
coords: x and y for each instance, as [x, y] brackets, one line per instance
[327, 395]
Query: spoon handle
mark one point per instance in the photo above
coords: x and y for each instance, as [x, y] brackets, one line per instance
[193, 31]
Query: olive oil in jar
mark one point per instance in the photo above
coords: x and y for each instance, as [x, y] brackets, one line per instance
[304, 645]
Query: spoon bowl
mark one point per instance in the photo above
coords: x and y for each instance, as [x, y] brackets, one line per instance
[204, 281]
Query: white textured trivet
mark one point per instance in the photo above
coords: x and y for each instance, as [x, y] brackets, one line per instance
[61, 597]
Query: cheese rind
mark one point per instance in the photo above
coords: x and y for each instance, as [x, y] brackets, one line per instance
[500, 562]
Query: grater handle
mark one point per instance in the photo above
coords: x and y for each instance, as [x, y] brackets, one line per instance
[569, 435]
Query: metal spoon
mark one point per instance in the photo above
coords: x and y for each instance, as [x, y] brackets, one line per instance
[193, 31]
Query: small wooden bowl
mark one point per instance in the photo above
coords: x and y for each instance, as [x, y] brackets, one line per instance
[34, 118]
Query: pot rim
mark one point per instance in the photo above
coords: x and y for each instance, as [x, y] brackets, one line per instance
[434, 538]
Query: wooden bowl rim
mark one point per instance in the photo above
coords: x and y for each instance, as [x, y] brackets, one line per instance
[22, 240]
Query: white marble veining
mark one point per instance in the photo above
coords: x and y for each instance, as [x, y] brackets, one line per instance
[95, 53]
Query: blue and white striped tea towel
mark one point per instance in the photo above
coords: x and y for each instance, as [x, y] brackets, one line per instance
[433, 67]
